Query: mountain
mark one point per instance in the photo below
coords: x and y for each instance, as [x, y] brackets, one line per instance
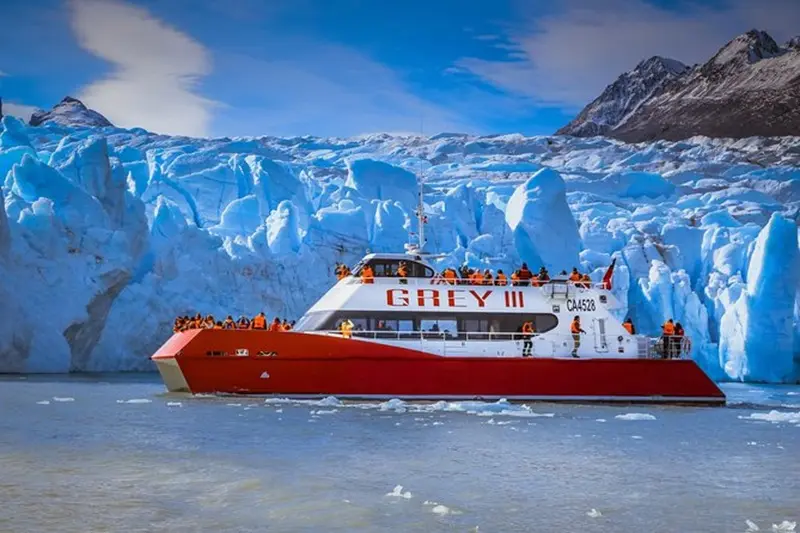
[70, 112]
[750, 87]
[623, 97]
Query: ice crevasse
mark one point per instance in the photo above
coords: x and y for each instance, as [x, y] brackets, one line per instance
[112, 235]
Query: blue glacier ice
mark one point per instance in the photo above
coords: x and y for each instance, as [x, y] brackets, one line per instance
[110, 233]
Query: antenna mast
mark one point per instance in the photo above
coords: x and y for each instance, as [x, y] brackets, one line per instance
[421, 218]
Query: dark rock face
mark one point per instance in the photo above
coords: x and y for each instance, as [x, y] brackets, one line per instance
[623, 97]
[71, 112]
[750, 87]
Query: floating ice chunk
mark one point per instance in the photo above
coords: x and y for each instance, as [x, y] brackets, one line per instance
[751, 526]
[394, 404]
[397, 492]
[174, 404]
[637, 437]
[329, 401]
[784, 526]
[137, 400]
[326, 411]
[594, 513]
[63, 399]
[233, 404]
[441, 510]
[43, 402]
[600, 420]
[776, 417]
[635, 416]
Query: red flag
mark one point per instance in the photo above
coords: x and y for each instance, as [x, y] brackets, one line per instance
[609, 273]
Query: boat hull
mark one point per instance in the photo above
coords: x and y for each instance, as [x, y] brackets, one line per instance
[294, 364]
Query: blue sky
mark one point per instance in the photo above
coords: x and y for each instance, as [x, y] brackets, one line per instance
[347, 67]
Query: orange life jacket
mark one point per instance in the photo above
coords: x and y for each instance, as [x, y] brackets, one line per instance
[259, 322]
[669, 329]
[450, 276]
[514, 278]
[525, 274]
[476, 278]
[575, 327]
[628, 327]
[275, 326]
[527, 327]
[575, 277]
[402, 271]
[501, 280]
[535, 281]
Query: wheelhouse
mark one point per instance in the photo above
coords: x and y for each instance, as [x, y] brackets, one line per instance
[386, 265]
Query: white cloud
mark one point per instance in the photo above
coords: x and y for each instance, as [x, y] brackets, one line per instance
[328, 89]
[18, 110]
[156, 69]
[567, 58]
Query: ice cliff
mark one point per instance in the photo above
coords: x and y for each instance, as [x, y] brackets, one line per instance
[107, 234]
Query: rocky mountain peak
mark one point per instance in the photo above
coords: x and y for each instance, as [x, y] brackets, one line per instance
[70, 112]
[749, 47]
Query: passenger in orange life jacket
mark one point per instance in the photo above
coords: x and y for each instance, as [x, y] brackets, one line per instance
[276, 325]
[488, 279]
[475, 278]
[243, 323]
[525, 275]
[450, 276]
[629, 327]
[259, 321]
[515, 278]
[668, 332]
[217, 325]
[367, 275]
[587, 281]
[402, 270]
[285, 325]
[575, 329]
[575, 276]
[527, 333]
[229, 323]
[501, 279]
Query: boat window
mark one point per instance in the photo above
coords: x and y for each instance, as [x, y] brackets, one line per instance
[438, 327]
[387, 268]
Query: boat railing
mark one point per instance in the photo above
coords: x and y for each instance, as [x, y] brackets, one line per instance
[459, 282]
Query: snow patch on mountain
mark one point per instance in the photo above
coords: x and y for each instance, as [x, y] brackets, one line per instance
[70, 112]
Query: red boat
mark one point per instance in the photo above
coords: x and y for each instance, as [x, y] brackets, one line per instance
[422, 337]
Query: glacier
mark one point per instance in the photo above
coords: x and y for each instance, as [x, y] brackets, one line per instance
[107, 234]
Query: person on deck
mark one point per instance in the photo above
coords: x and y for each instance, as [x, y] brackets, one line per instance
[346, 327]
[629, 327]
[668, 332]
[525, 275]
[178, 325]
[285, 325]
[276, 325]
[527, 338]
[229, 323]
[475, 278]
[575, 329]
[544, 276]
[586, 281]
[244, 323]
[367, 275]
[449, 276]
[575, 276]
[501, 279]
[515, 278]
[259, 321]
[402, 271]
[210, 322]
[488, 279]
[677, 340]
[217, 325]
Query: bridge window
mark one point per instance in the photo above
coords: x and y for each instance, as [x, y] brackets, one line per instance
[387, 268]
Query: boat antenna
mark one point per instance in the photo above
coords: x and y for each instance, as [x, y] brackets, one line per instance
[422, 219]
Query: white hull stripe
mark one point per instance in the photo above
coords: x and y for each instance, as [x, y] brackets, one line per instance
[539, 398]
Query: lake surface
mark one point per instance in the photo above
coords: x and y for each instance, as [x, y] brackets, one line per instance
[115, 453]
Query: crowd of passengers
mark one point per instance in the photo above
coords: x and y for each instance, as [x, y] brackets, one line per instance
[468, 276]
[260, 321]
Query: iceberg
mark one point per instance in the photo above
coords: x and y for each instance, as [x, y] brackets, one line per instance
[125, 229]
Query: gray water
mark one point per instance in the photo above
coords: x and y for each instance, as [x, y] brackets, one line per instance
[114, 453]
